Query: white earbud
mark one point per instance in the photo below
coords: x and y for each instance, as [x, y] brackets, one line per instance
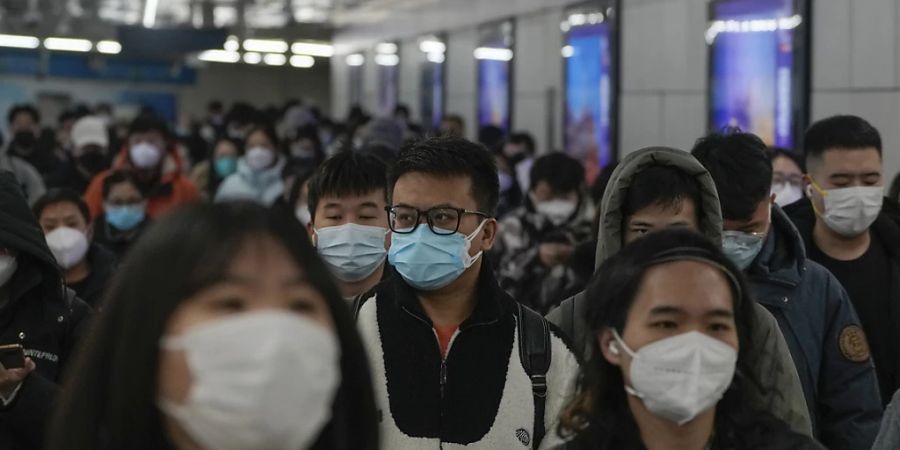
[613, 349]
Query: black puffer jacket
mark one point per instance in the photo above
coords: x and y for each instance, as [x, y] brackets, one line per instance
[41, 315]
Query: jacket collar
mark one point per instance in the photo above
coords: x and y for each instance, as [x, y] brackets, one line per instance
[783, 256]
[263, 178]
[488, 307]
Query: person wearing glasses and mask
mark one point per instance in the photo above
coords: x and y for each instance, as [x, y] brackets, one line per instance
[813, 311]
[851, 229]
[445, 341]
[670, 319]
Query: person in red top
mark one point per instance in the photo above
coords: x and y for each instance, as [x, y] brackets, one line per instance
[149, 151]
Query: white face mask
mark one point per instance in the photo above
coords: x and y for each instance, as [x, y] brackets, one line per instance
[8, 266]
[557, 211]
[262, 380]
[303, 215]
[259, 158]
[68, 246]
[145, 155]
[786, 193]
[678, 378]
[352, 252]
[851, 211]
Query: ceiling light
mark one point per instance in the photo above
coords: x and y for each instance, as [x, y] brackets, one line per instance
[313, 49]
[232, 44]
[252, 58]
[430, 46]
[302, 61]
[109, 47]
[150, 13]
[437, 58]
[223, 56]
[387, 60]
[356, 59]
[275, 59]
[494, 54]
[17, 41]
[568, 51]
[265, 45]
[386, 48]
[68, 45]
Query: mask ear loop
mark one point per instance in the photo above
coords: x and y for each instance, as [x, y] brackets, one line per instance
[469, 260]
[621, 343]
[814, 185]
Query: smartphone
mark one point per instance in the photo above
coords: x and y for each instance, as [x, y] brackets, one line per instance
[12, 356]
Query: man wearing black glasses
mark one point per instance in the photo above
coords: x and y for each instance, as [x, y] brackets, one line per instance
[455, 359]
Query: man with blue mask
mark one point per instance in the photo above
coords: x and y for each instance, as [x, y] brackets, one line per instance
[813, 311]
[449, 348]
[348, 226]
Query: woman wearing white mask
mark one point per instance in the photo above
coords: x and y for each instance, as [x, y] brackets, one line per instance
[787, 176]
[258, 177]
[222, 332]
[671, 317]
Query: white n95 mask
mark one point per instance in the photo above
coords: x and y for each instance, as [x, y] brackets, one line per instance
[68, 246]
[678, 378]
[260, 380]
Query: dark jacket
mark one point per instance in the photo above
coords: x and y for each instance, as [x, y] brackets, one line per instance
[816, 317]
[479, 395]
[41, 315]
[780, 391]
[520, 270]
[103, 264]
[887, 228]
[114, 240]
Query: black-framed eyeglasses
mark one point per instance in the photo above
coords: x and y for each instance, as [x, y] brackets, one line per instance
[442, 220]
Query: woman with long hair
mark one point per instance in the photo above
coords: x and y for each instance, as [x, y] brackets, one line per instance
[670, 368]
[222, 330]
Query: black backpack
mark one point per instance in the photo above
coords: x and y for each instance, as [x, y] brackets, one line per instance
[534, 351]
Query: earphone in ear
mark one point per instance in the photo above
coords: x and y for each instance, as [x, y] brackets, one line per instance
[613, 349]
[809, 190]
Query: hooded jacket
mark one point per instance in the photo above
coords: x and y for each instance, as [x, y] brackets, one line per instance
[39, 314]
[262, 187]
[780, 391]
[887, 228]
[817, 319]
[172, 189]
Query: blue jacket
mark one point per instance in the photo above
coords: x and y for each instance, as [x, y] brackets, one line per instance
[823, 334]
[262, 187]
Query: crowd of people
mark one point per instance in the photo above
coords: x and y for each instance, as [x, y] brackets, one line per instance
[274, 279]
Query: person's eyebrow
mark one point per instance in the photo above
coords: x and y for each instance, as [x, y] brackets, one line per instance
[666, 309]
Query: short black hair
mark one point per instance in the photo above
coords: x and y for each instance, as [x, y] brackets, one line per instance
[661, 185]
[450, 156]
[147, 122]
[118, 177]
[845, 132]
[491, 136]
[524, 139]
[267, 129]
[346, 173]
[778, 152]
[739, 165]
[54, 196]
[23, 108]
[559, 170]
[402, 109]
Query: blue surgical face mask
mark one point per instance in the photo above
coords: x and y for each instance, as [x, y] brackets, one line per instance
[429, 261]
[352, 252]
[125, 218]
[225, 166]
[742, 248]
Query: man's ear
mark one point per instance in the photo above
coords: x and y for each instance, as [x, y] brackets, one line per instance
[489, 234]
[312, 233]
[609, 347]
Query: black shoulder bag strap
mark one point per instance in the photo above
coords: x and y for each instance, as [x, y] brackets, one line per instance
[534, 351]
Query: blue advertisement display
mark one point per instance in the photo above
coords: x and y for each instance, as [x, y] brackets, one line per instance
[495, 62]
[589, 96]
[754, 68]
[432, 88]
[388, 80]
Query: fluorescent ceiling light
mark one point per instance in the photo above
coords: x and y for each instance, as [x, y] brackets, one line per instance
[356, 59]
[265, 45]
[17, 41]
[313, 49]
[275, 59]
[223, 56]
[568, 51]
[494, 54]
[430, 46]
[109, 47]
[150, 13]
[232, 44]
[68, 45]
[302, 61]
[387, 60]
[437, 58]
[386, 48]
[252, 58]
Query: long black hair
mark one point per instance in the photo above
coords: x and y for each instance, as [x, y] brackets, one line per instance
[600, 414]
[109, 399]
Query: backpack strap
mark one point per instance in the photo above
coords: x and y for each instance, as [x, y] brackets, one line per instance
[534, 351]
